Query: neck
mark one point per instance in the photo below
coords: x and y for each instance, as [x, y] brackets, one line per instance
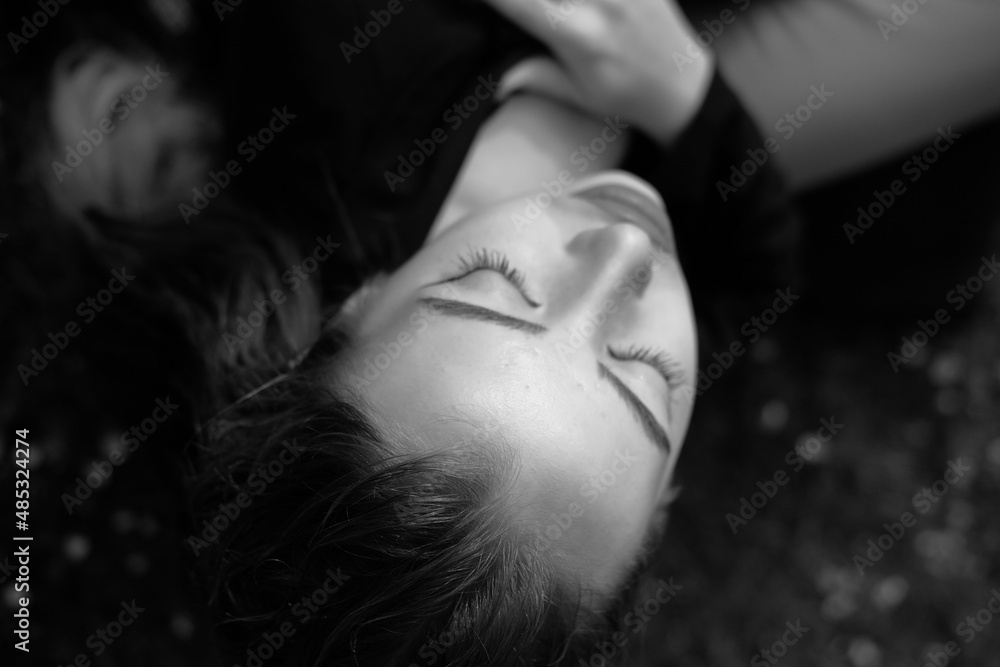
[527, 143]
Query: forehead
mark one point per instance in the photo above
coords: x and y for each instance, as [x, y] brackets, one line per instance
[582, 460]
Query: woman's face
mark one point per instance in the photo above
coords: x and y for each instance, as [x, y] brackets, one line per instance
[568, 330]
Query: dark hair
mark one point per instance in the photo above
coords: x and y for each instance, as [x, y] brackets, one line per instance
[430, 561]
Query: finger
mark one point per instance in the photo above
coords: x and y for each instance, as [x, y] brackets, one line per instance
[544, 76]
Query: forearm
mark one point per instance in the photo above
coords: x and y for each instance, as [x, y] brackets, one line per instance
[669, 108]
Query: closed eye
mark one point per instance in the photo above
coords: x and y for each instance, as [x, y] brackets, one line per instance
[482, 259]
[660, 361]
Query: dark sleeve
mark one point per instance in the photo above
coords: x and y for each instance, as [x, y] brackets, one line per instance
[736, 231]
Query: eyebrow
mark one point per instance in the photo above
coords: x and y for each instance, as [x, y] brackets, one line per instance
[638, 409]
[469, 311]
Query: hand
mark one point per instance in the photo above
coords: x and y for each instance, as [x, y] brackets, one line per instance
[615, 57]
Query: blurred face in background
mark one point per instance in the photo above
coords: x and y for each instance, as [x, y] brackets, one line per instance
[124, 139]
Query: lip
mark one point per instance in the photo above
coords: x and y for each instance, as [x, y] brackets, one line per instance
[626, 198]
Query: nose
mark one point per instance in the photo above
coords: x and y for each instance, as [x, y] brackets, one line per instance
[613, 264]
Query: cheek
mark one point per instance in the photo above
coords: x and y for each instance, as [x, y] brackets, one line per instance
[519, 227]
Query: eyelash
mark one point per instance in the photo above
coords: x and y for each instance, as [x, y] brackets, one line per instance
[492, 260]
[661, 361]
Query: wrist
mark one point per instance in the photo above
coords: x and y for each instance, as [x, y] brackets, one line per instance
[684, 98]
